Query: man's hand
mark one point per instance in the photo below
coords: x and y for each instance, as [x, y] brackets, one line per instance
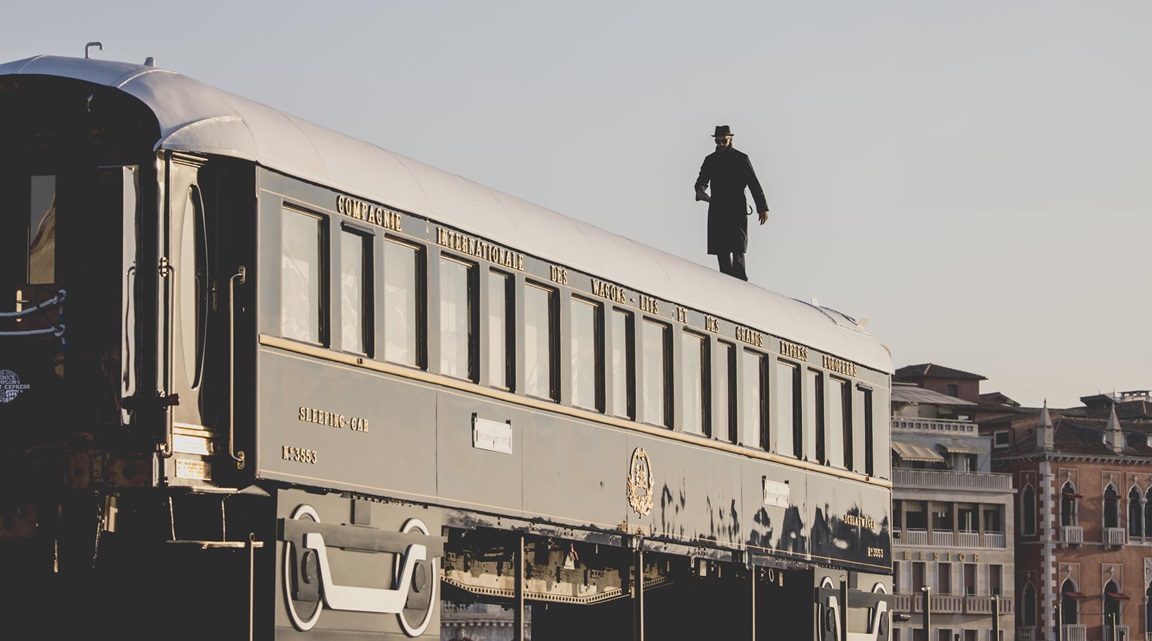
[703, 195]
[763, 216]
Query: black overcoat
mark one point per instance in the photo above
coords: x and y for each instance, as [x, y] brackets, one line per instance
[729, 172]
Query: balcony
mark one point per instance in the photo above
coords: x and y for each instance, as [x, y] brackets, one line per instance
[914, 537]
[1075, 632]
[983, 605]
[1071, 535]
[1029, 634]
[944, 425]
[942, 539]
[1121, 633]
[1115, 536]
[936, 479]
[941, 603]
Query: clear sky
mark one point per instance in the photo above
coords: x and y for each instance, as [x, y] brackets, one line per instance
[974, 177]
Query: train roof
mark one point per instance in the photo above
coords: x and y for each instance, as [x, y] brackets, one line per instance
[197, 117]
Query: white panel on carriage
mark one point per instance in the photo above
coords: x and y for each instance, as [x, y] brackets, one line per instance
[197, 117]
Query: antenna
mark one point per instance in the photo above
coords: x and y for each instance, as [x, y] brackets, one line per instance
[90, 45]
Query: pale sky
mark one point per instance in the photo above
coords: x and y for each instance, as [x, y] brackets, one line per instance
[975, 178]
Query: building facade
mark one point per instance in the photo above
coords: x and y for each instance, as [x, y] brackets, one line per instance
[1084, 545]
[953, 521]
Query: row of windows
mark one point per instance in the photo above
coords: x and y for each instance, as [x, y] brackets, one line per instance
[967, 581]
[940, 516]
[617, 361]
[1139, 509]
[1071, 600]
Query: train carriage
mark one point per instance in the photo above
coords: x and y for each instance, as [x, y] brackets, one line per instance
[261, 380]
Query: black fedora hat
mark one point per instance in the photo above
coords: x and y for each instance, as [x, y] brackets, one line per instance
[722, 130]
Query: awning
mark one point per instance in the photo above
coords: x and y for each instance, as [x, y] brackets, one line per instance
[1079, 596]
[963, 449]
[1120, 596]
[914, 452]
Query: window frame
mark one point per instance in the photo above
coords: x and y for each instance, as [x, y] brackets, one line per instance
[508, 285]
[367, 288]
[323, 275]
[703, 382]
[625, 380]
[598, 371]
[419, 297]
[472, 310]
[552, 349]
[666, 379]
[762, 438]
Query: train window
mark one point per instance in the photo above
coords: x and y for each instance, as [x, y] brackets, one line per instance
[458, 318]
[869, 445]
[42, 232]
[789, 418]
[355, 291]
[302, 277]
[725, 394]
[839, 443]
[501, 338]
[587, 354]
[540, 325]
[403, 303]
[623, 363]
[694, 372]
[814, 406]
[752, 392]
[656, 374]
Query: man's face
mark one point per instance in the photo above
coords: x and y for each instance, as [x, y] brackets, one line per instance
[723, 142]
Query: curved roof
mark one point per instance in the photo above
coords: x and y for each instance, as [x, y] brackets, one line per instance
[194, 116]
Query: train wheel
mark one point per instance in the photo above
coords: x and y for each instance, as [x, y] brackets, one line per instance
[306, 557]
[424, 582]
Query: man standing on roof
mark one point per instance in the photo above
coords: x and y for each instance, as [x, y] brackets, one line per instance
[729, 172]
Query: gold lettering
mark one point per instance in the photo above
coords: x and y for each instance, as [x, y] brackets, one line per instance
[481, 249]
[712, 324]
[369, 213]
[935, 556]
[792, 350]
[839, 365]
[907, 557]
[750, 336]
[681, 314]
[976, 558]
[962, 556]
[649, 304]
[558, 274]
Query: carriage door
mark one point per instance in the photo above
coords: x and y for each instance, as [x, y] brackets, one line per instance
[66, 346]
[186, 294]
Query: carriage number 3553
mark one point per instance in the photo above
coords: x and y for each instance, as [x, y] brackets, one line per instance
[298, 454]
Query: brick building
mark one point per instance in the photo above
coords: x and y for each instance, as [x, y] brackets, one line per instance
[1084, 531]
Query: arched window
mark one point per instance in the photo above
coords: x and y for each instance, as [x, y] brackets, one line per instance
[1148, 607]
[1111, 604]
[1111, 506]
[1069, 606]
[1028, 510]
[1068, 504]
[1148, 512]
[1028, 605]
[1135, 513]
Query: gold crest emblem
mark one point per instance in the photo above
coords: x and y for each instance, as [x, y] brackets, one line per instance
[640, 482]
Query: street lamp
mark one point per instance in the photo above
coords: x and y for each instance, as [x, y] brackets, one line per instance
[1059, 619]
[927, 611]
[995, 617]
